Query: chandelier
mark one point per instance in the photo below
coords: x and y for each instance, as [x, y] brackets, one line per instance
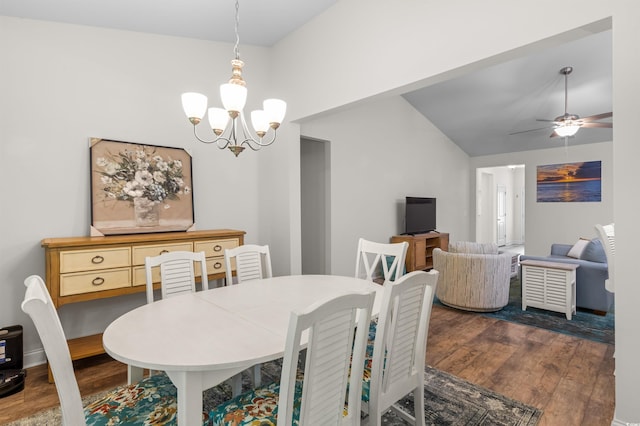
[228, 123]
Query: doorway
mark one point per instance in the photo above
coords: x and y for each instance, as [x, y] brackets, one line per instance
[315, 196]
[501, 213]
[500, 205]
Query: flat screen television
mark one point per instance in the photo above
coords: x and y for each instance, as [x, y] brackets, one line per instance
[420, 215]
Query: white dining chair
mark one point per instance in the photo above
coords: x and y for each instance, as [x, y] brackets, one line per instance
[139, 403]
[177, 276]
[252, 262]
[319, 396]
[177, 273]
[372, 257]
[396, 357]
[608, 237]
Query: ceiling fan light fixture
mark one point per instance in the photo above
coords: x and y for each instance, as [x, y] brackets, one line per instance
[568, 124]
[567, 130]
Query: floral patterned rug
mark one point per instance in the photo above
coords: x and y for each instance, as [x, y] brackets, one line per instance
[448, 401]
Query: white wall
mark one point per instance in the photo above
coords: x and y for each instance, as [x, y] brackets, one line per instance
[548, 223]
[372, 172]
[397, 48]
[62, 84]
[626, 151]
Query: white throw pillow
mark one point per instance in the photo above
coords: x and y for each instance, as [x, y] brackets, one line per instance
[578, 248]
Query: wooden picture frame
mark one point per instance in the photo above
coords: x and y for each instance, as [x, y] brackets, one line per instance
[138, 188]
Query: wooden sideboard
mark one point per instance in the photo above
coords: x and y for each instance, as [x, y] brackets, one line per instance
[79, 269]
[420, 251]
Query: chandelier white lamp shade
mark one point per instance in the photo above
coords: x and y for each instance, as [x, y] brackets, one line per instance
[228, 123]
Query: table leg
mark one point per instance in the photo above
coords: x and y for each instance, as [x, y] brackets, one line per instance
[134, 374]
[190, 387]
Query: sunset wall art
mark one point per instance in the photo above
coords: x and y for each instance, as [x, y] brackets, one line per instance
[570, 182]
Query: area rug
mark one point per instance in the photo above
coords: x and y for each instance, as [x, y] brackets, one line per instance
[584, 324]
[449, 401]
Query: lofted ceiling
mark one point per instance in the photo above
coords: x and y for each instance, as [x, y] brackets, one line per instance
[478, 111]
[262, 22]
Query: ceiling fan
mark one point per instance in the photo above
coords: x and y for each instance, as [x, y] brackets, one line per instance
[568, 124]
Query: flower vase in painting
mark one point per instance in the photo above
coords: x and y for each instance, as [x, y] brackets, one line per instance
[146, 212]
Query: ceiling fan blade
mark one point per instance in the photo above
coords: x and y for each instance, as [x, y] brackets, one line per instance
[605, 125]
[554, 135]
[598, 116]
[542, 119]
[530, 130]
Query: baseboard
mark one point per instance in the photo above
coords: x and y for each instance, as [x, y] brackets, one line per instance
[33, 358]
[617, 422]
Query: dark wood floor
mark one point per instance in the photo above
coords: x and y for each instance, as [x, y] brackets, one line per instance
[570, 379]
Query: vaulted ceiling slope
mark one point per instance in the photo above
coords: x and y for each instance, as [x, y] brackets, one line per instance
[262, 23]
[480, 110]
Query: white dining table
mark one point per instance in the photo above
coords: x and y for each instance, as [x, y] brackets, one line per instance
[201, 339]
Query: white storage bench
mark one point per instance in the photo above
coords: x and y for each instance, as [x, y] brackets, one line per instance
[549, 285]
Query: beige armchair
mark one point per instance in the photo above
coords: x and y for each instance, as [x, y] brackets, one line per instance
[473, 276]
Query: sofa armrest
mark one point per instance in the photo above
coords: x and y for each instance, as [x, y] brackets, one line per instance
[560, 249]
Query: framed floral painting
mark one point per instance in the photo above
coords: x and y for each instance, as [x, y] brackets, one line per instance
[138, 188]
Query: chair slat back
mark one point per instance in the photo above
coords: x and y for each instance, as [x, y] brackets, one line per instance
[38, 305]
[372, 257]
[400, 343]
[330, 327]
[253, 262]
[177, 273]
[608, 237]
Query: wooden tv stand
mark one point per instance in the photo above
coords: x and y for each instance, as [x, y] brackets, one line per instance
[420, 252]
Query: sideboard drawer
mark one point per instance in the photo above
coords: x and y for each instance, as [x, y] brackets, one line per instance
[88, 282]
[215, 265]
[213, 248]
[140, 275]
[140, 252]
[91, 260]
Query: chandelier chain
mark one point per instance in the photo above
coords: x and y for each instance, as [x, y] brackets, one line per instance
[236, 50]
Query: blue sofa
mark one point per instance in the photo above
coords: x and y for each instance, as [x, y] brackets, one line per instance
[590, 276]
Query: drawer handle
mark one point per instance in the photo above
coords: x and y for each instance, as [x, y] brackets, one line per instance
[97, 259]
[97, 281]
[164, 251]
[217, 265]
[217, 247]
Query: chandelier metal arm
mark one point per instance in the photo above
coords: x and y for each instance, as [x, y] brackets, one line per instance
[226, 141]
[250, 142]
[195, 133]
[249, 138]
[255, 143]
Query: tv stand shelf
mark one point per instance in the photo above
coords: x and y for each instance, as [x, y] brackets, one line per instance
[420, 252]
